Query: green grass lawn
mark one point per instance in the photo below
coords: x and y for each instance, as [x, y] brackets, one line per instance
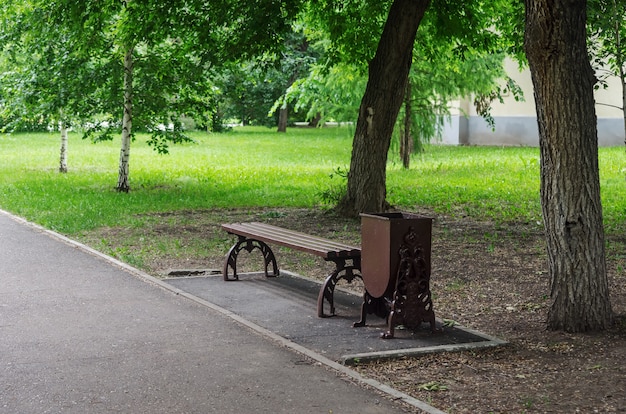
[256, 167]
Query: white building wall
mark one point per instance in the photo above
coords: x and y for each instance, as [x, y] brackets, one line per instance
[516, 122]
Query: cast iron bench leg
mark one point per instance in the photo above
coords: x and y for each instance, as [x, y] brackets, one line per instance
[327, 291]
[249, 245]
[377, 306]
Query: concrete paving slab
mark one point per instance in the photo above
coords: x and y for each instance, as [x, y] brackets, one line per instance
[286, 305]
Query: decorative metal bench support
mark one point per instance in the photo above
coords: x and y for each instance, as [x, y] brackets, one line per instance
[371, 305]
[346, 269]
[249, 245]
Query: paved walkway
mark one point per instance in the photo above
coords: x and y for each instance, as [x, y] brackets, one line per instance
[80, 333]
[286, 306]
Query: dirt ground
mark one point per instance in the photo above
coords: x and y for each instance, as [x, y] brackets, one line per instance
[489, 277]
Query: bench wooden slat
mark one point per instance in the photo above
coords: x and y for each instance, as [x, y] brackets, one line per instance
[268, 233]
[290, 238]
[278, 234]
[296, 237]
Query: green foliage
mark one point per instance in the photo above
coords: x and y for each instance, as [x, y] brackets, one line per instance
[606, 46]
[606, 31]
[334, 94]
[43, 75]
[66, 56]
[251, 89]
[432, 386]
[458, 52]
[337, 188]
[350, 29]
[248, 90]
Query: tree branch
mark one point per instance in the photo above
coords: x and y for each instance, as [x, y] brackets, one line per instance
[612, 106]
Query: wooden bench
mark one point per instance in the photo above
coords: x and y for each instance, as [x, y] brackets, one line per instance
[253, 236]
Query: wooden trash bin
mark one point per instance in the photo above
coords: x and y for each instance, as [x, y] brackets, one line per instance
[395, 267]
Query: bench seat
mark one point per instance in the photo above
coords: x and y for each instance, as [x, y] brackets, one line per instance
[327, 249]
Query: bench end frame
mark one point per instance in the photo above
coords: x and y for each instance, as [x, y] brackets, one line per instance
[345, 268]
[244, 243]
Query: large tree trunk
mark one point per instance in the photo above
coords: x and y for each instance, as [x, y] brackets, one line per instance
[63, 152]
[127, 123]
[388, 73]
[563, 82]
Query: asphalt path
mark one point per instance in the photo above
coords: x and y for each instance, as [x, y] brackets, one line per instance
[80, 333]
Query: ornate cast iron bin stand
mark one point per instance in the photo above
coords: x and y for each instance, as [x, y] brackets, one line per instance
[395, 266]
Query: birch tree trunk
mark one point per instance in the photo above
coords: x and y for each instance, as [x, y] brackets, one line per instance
[63, 152]
[388, 74]
[555, 44]
[127, 123]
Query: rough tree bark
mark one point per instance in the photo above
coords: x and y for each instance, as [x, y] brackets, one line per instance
[388, 74]
[406, 141]
[127, 123]
[555, 44]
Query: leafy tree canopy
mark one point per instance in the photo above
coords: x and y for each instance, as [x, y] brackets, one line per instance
[459, 51]
[175, 44]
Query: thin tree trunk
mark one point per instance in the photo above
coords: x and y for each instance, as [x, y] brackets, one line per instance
[406, 143]
[127, 123]
[388, 74]
[283, 114]
[563, 80]
[316, 120]
[63, 152]
[283, 117]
